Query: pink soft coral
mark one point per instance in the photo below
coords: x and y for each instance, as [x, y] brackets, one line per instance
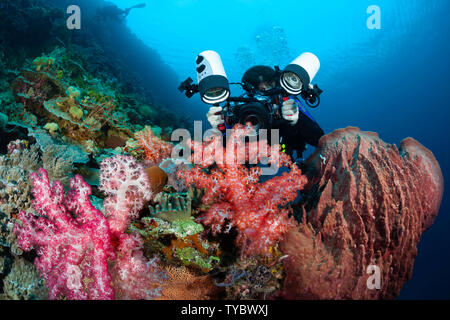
[238, 199]
[75, 242]
[72, 252]
[155, 149]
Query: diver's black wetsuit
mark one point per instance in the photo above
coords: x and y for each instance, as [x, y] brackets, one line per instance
[295, 138]
[306, 131]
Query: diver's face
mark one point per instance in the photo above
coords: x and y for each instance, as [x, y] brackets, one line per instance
[264, 86]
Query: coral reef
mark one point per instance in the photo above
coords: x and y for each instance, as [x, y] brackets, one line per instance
[172, 167]
[172, 207]
[43, 93]
[191, 250]
[135, 277]
[171, 232]
[110, 214]
[367, 203]
[68, 102]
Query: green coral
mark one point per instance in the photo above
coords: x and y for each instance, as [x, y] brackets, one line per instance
[172, 206]
[173, 214]
[190, 255]
[73, 92]
[180, 228]
[76, 112]
[51, 127]
[43, 61]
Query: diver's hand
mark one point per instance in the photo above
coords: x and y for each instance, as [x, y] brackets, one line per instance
[214, 117]
[290, 111]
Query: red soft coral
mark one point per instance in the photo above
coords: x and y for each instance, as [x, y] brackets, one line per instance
[238, 197]
[72, 252]
[155, 149]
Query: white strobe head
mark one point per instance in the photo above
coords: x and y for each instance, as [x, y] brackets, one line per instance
[300, 73]
[212, 79]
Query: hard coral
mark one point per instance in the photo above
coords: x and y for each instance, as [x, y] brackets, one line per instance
[71, 237]
[367, 203]
[15, 188]
[238, 199]
[23, 282]
[186, 284]
[172, 207]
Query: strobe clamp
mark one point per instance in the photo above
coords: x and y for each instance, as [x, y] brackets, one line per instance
[188, 87]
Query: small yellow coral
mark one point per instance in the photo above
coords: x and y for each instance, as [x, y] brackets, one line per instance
[60, 102]
[76, 112]
[73, 92]
[51, 127]
[30, 92]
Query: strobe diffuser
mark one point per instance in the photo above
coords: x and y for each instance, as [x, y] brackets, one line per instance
[300, 73]
[213, 84]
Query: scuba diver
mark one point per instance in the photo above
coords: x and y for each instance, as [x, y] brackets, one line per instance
[297, 128]
[115, 13]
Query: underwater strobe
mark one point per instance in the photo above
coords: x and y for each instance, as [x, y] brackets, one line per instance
[212, 82]
[262, 108]
[296, 78]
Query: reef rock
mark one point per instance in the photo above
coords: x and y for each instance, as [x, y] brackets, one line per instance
[365, 208]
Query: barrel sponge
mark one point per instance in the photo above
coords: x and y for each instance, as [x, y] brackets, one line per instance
[367, 204]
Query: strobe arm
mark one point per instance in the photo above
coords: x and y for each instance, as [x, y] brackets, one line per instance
[312, 96]
[188, 88]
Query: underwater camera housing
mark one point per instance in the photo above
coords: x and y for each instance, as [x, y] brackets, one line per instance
[260, 108]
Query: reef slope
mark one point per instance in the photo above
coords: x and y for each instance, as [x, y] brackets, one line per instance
[367, 204]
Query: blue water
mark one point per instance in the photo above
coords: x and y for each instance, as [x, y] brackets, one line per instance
[394, 81]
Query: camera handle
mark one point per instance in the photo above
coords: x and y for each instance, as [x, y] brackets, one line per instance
[222, 127]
